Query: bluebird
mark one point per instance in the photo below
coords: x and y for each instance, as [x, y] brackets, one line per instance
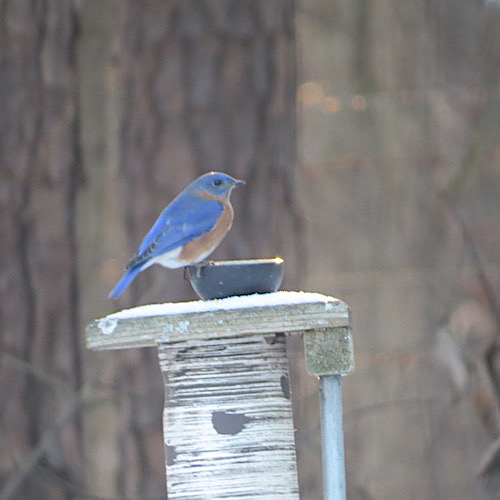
[188, 230]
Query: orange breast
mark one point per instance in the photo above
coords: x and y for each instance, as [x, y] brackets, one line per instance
[202, 247]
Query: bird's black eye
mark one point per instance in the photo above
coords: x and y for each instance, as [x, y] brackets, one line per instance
[217, 182]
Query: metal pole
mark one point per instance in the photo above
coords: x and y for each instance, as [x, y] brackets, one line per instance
[334, 487]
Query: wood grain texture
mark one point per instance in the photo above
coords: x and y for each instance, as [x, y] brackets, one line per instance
[112, 332]
[329, 351]
[228, 419]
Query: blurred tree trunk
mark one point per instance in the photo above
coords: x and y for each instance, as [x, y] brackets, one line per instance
[210, 85]
[191, 86]
[153, 94]
[40, 369]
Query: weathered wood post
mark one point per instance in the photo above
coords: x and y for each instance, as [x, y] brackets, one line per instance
[228, 426]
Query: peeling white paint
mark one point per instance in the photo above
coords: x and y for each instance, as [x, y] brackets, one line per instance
[182, 326]
[107, 325]
[239, 378]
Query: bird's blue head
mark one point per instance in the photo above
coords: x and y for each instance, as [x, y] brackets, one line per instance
[216, 184]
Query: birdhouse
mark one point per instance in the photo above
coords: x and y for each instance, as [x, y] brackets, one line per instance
[228, 422]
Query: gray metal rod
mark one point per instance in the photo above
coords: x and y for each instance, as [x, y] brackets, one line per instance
[332, 438]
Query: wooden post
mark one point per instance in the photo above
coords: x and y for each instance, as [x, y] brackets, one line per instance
[228, 424]
[228, 419]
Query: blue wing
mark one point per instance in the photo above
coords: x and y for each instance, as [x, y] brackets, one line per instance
[187, 217]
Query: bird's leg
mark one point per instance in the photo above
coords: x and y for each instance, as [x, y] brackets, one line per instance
[199, 266]
[205, 262]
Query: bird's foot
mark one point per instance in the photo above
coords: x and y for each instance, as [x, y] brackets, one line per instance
[199, 266]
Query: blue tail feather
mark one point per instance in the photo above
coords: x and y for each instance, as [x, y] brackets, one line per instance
[127, 278]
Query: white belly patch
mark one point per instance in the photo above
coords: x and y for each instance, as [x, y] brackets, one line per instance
[168, 259]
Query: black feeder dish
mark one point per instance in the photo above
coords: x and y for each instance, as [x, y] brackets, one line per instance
[218, 280]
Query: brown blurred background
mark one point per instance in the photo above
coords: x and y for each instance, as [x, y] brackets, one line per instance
[368, 134]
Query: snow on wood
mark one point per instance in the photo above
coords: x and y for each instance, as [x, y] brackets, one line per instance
[279, 312]
[241, 302]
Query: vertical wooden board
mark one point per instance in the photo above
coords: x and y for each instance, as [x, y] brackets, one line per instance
[228, 420]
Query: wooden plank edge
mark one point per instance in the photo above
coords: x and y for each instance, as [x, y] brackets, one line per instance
[117, 333]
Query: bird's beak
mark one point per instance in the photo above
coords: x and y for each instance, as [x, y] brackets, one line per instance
[238, 182]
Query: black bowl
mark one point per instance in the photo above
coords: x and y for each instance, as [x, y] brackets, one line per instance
[217, 280]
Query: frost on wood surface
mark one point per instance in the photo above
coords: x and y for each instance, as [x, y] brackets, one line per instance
[242, 302]
[279, 312]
